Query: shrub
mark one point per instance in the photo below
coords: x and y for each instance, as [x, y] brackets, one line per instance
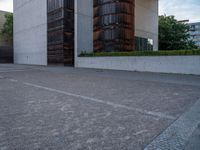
[142, 53]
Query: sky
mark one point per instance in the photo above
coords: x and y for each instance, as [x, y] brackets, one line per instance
[6, 5]
[181, 9]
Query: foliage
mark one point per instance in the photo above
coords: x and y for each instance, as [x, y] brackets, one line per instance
[142, 53]
[174, 34]
[7, 30]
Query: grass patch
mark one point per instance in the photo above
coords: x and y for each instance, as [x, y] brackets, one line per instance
[142, 53]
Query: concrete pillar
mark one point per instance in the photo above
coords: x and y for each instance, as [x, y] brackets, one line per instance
[30, 32]
[146, 20]
[83, 26]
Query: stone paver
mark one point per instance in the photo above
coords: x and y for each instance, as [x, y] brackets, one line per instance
[75, 109]
[177, 135]
[194, 140]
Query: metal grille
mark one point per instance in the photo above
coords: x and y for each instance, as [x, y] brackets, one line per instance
[113, 25]
[60, 32]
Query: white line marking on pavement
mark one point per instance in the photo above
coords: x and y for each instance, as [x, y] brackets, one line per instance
[13, 80]
[140, 132]
[155, 114]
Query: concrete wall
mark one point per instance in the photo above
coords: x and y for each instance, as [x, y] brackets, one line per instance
[146, 20]
[30, 32]
[30, 28]
[83, 26]
[162, 64]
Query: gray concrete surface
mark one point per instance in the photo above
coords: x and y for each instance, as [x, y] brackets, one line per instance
[160, 64]
[74, 109]
[146, 20]
[30, 32]
[83, 40]
[30, 29]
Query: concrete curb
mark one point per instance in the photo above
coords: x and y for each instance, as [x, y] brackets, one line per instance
[177, 135]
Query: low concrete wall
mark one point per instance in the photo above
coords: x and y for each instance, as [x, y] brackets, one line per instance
[161, 64]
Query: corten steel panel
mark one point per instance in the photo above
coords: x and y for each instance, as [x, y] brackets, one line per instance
[114, 25]
[61, 32]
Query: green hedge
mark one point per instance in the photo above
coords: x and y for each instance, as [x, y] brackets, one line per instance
[142, 53]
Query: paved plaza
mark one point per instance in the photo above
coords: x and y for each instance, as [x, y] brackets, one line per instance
[64, 108]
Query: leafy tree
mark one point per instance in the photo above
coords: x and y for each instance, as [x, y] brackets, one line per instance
[7, 30]
[173, 35]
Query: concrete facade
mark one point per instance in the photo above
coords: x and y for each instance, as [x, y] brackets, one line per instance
[161, 64]
[83, 27]
[146, 20]
[30, 28]
[195, 32]
[30, 32]
[6, 45]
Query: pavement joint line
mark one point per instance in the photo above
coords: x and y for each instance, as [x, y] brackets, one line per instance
[176, 136]
[151, 113]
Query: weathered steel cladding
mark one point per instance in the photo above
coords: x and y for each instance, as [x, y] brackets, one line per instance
[60, 32]
[114, 25]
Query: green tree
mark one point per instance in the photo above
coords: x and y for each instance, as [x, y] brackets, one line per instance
[173, 35]
[7, 30]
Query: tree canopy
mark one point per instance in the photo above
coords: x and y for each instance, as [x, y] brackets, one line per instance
[7, 30]
[174, 35]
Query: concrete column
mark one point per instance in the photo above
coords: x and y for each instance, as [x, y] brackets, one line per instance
[83, 27]
[146, 20]
[30, 32]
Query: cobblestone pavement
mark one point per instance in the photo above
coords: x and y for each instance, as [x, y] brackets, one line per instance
[194, 140]
[182, 134]
[63, 108]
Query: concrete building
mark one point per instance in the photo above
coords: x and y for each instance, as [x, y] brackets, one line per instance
[6, 50]
[195, 32]
[57, 31]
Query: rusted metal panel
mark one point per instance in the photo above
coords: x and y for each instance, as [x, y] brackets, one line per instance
[60, 32]
[114, 25]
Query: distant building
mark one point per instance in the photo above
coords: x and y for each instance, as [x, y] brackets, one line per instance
[184, 21]
[195, 32]
[6, 46]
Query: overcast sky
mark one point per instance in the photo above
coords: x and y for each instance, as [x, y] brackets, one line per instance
[6, 5]
[181, 9]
